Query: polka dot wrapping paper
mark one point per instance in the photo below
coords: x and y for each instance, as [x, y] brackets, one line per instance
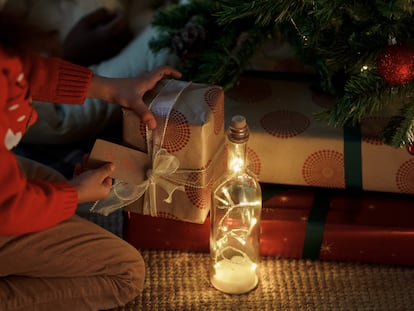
[194, 134]
[288, 145]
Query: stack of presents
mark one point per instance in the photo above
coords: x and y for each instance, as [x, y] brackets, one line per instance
[328, 193]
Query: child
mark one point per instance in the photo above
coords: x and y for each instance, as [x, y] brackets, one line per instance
[50, 259]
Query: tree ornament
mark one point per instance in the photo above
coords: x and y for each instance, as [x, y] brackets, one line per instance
[410, 149]
[188, 41]
[396, 64]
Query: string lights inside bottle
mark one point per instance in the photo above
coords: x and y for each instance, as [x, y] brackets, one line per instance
[235, 219]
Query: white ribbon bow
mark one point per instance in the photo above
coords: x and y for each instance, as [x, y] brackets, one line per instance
[122, 194]
[164, 164]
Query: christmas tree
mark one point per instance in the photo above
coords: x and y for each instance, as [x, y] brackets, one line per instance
[362, 51]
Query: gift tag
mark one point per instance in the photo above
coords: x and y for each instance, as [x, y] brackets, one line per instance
[131, 165]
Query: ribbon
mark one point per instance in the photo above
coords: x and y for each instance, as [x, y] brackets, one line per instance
[165, 171]
[321, 204]
[123, 194]
[316, 223]
[352, 157]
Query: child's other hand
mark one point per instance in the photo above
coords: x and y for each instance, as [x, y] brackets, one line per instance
[129, 92]
[93, 184]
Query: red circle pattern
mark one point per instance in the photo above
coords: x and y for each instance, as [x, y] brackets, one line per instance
[254, 164]
[212, 98]
[324, 168]
[284, 123]
[199, 197]
[405, 177]
[178, 132]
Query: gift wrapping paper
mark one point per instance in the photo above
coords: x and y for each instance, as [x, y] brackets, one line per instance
[190, 126]
[305, 222]
[288, 145]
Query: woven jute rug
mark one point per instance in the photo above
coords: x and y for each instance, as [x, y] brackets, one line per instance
[180, 281]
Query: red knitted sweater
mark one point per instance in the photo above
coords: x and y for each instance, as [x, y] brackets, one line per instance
[33, 205]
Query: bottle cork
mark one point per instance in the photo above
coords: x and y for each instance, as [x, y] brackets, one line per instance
[238, 130]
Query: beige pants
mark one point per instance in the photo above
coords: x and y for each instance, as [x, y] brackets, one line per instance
[75, 265]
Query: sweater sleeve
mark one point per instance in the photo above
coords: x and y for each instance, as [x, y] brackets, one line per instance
[25, 205]
[31, 205]
[56, 80]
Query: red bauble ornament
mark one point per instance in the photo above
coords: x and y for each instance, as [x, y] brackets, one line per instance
[396, 64]
[410, 149]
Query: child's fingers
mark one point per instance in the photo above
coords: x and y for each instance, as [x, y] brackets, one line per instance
[105, 171]
[146, 116]
[107, 182]
[152, 78]
[162, 71]
[149, 120]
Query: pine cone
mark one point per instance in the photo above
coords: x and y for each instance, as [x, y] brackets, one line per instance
[188, 40]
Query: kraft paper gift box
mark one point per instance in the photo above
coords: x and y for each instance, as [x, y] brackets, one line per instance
[305, 222]
[184, 154]
[288, 145]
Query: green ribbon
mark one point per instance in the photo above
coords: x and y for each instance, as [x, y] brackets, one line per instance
[352, 169]
[321, 203]
[352, 157]
[316, 223]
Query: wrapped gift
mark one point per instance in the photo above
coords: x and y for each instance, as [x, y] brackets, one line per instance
[288, 145]
[305, 222]
[184, 154]
[370, 227]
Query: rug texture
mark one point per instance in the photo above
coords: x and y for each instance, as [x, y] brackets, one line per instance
[180, 281]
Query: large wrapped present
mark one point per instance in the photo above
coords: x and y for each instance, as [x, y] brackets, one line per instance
[184, 151]
[289, 145]
[317, 223]
[305, 222]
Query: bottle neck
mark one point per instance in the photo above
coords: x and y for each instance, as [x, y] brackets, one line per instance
[236, 159]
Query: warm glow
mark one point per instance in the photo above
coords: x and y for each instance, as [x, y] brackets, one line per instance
[236, 164]
[235, 275]
[284, 199]
[234, 236]
[236, 161]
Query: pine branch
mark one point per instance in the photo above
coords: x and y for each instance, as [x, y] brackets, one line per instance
[341, 39]
[364, 95]
[175, 16]
[400, 130]
[225, 60]
[264, 12]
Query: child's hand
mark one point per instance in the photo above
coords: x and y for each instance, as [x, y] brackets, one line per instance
[93, 184]
[129, 92]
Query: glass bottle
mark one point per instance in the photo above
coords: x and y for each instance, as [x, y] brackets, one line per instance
[235, 219]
